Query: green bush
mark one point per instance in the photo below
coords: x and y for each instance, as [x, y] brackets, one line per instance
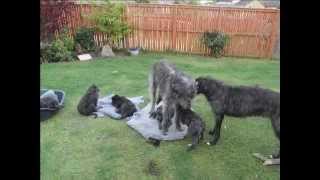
[60, 49]
[108, 20]
[56, 51]
[67, 41]
[215, 41]
[85, 38]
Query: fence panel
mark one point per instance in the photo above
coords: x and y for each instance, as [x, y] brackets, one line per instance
[252, 31]
[159, 27]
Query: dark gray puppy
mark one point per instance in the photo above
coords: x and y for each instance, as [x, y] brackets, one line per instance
[49, 102]
[239, 101]
[124, 106]
[174, 88]
[88, 103]
[196, 126]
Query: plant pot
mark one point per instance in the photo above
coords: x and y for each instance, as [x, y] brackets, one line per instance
[134, 51]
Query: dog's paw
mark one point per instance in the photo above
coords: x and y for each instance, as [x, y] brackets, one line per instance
[164, 133]
[94, 115]
[153, 115]
[190, 147]
[180, 129]
[210, 143]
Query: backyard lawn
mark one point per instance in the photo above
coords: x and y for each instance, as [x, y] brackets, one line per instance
[83, 148]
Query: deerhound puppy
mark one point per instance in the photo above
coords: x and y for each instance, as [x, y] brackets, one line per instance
[174, 88]
[88, 104]
[123, 106]
[196, 126]
[239, 101]
[49, 102]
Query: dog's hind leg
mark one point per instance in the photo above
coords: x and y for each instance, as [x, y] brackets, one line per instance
[276, 128]
[216, 130]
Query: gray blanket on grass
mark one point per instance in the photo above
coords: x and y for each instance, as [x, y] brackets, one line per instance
[148, 127]
[106, 108]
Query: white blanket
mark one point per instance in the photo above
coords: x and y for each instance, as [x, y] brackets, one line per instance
[148, 127]
[106, 108]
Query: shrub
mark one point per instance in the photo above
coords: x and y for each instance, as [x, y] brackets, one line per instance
[56, 52]
[60, 49]
[67, 40]
[108, 20]
[215, 41]
[85, 38]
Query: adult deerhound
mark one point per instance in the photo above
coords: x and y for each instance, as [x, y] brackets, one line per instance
[174, 88]
[239, 101]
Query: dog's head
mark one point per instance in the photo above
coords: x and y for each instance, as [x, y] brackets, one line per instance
[202, 85]
[116, 101]
[197, 125]
[93, 89]
[185, 89]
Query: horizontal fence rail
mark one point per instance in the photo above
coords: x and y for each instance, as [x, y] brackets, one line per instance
[156, 27]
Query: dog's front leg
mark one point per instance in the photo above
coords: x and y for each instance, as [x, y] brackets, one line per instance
[216, 129]
[166, 119]
[153, 95]
[195, 141]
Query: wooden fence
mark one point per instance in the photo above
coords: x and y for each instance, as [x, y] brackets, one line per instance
[178, 28]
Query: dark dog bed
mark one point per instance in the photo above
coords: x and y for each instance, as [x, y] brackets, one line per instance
[46, 113]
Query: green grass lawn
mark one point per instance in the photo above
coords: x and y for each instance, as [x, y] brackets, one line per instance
[82, 148]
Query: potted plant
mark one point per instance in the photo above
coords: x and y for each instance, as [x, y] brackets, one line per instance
[134, 51]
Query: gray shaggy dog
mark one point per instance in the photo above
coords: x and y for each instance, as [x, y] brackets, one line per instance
[239, 101]
[158, 115]
[174, 88]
